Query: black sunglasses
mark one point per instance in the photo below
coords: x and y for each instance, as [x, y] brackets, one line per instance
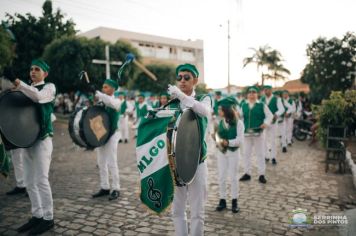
[186, 77]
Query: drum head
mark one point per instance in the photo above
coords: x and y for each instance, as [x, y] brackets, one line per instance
[19, 120]
[187, 146]
[95, 126]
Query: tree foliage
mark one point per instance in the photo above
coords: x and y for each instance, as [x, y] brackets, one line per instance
[33, 34]
[6, 49]
[165, 75]
[69, 56]
[338, 110]
[331, 67]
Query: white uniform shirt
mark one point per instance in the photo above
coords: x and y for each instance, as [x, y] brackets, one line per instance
[47, 94]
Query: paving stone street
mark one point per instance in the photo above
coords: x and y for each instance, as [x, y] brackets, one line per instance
[298, 181]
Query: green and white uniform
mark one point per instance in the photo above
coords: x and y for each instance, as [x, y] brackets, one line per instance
[276, 107]
[107, 154]
[290, 108]
[254, 115]
[125, 108]
[196, 191]
[37, 158]
[228, 162]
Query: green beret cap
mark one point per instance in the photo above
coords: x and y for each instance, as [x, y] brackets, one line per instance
[227, 102]
[252, 88]
[164, 94]
[112, 83]
[218, 93]
[188, 67]
[267, 87]
[41, 64]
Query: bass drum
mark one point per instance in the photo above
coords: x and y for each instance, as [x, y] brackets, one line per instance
[89, 127]
[19, 120]
[186, 146]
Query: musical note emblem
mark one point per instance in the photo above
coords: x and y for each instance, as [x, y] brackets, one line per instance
[153, 194]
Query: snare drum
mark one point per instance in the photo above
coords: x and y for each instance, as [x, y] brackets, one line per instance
[89, 127]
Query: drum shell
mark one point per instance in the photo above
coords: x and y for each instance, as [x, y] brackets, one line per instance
[19, 120]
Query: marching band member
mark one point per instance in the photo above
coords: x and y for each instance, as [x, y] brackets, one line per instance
[289, 105]
[231, 134]
[15, 154]
[153, 101]
[257, 117]
[240, 98]
[37, 158]
[107, 154]
[163, 99]
[141, 109]
[17, 162]
[196, 191]
[217, 98]
[124, 118]
[276, 107]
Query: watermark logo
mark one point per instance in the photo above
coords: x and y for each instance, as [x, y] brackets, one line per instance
[300, 218]
[330, 220]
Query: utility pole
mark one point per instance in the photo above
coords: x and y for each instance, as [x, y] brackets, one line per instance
[228, 56]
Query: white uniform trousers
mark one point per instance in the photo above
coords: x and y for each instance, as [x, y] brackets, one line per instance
[289, 129]
[124, 127]
[17, 162]
[270, 141]
[283, 131]
[196, 193]
[37, 160]
[254, 143]
[228, 165]
[107, 162]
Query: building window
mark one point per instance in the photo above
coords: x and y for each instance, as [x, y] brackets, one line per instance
[172, 50]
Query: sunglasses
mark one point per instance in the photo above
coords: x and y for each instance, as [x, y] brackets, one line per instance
[186, 77]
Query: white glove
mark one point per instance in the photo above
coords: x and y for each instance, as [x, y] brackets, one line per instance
[175, 92]
[97, 93]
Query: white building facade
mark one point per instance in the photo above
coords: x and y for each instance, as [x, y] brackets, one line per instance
[156, 49]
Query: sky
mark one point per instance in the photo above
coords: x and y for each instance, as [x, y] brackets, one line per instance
[286, 25]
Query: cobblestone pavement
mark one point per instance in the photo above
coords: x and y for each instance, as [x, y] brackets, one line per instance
[298, 181]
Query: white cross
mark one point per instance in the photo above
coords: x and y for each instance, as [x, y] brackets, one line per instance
[107, 62]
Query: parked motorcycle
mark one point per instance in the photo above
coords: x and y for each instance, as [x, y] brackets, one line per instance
[302, 129]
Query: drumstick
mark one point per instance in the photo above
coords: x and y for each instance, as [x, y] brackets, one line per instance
[131, 58]
[86, 77]
[144, 69]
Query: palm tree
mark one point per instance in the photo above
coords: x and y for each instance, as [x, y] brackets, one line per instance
[260, 58]
[271, 60]
[277, 72]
